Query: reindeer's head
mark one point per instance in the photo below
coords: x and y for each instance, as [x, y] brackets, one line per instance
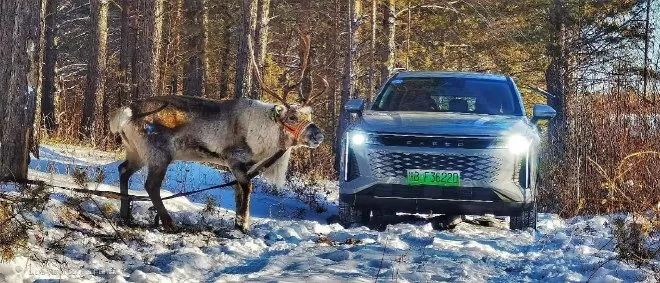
[295, 119]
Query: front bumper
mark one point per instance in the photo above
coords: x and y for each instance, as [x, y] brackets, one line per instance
[438, 200]
[492, 179]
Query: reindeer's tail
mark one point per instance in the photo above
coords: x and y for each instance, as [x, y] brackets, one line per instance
[120, 118]
[124, 115]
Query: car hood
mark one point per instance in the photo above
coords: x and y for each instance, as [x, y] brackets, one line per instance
[433, 123]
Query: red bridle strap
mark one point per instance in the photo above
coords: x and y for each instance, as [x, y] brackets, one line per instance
[297, 129]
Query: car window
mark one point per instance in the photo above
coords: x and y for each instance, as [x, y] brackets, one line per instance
[461, 95]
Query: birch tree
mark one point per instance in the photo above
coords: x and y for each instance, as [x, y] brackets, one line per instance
[261, 41]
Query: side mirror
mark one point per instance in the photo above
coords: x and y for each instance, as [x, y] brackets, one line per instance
[355, 106]
[542, 112]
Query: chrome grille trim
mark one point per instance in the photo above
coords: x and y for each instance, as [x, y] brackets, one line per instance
[473, 167]
[434, 141]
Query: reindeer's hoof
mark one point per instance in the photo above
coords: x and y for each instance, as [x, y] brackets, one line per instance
[168, 224]
[240, 227]
[171, 228]
[129, 223]
[124, 220]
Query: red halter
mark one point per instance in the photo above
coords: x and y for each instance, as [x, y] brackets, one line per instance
[297, 129]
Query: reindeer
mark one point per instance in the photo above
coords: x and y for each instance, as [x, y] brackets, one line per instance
[238, 134]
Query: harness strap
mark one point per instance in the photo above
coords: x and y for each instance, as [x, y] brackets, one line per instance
[297, 129]
[145, 114]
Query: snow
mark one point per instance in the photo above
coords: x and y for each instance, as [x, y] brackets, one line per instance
[289, 242]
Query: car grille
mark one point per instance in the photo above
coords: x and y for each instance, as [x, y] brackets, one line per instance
[472, 167]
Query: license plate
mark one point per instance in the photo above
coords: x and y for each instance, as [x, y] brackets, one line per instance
[433, 177]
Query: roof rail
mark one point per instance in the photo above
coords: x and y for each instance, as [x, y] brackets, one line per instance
[399, 70]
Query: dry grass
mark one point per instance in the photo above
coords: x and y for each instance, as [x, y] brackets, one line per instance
[609, 164]
[314, 164]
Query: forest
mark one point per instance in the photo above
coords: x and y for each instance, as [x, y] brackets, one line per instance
[67, 64]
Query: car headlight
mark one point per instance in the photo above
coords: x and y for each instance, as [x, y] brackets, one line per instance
[518, 144]
[357, 138]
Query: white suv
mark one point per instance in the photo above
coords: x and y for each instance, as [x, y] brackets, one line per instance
[444, 143]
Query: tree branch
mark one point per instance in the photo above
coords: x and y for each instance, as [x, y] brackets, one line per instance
[448, 7]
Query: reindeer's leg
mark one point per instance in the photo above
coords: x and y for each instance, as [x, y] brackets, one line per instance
[242, 195]
[126, 170]
[245, 211]
[238, 197]
[243, 191]
[152, 186]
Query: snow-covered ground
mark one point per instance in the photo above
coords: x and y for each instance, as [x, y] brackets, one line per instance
[289, 241]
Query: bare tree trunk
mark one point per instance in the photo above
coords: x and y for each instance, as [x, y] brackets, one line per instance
[647, 41]
[243, 70]
[224, 66]
[149, 32]
[174, 55]
[372, 53]
[50, 59]
[408, 36]
[207, 46]
[194, 69]
[389, 50]
[336, 50]
[96, 70]
[134, 58]
[556, 75]
[349, 70]
[127, 43]
[305, 28]
[20, 40]
[261, 41]
[166, 46]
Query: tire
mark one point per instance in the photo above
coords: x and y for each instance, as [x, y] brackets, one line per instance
[527, 219]
[349, 214]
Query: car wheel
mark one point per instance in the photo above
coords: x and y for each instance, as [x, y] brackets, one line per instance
[527, 219]
[349, 214]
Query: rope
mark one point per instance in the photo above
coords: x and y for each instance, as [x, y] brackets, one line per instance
[115, 195]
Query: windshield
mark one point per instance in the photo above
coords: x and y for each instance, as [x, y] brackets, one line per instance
[449, 94]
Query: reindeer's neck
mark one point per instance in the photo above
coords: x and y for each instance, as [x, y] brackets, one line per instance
[264, 135]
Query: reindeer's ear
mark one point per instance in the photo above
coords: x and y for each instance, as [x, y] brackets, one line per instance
[306, 113]
[278, 112]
